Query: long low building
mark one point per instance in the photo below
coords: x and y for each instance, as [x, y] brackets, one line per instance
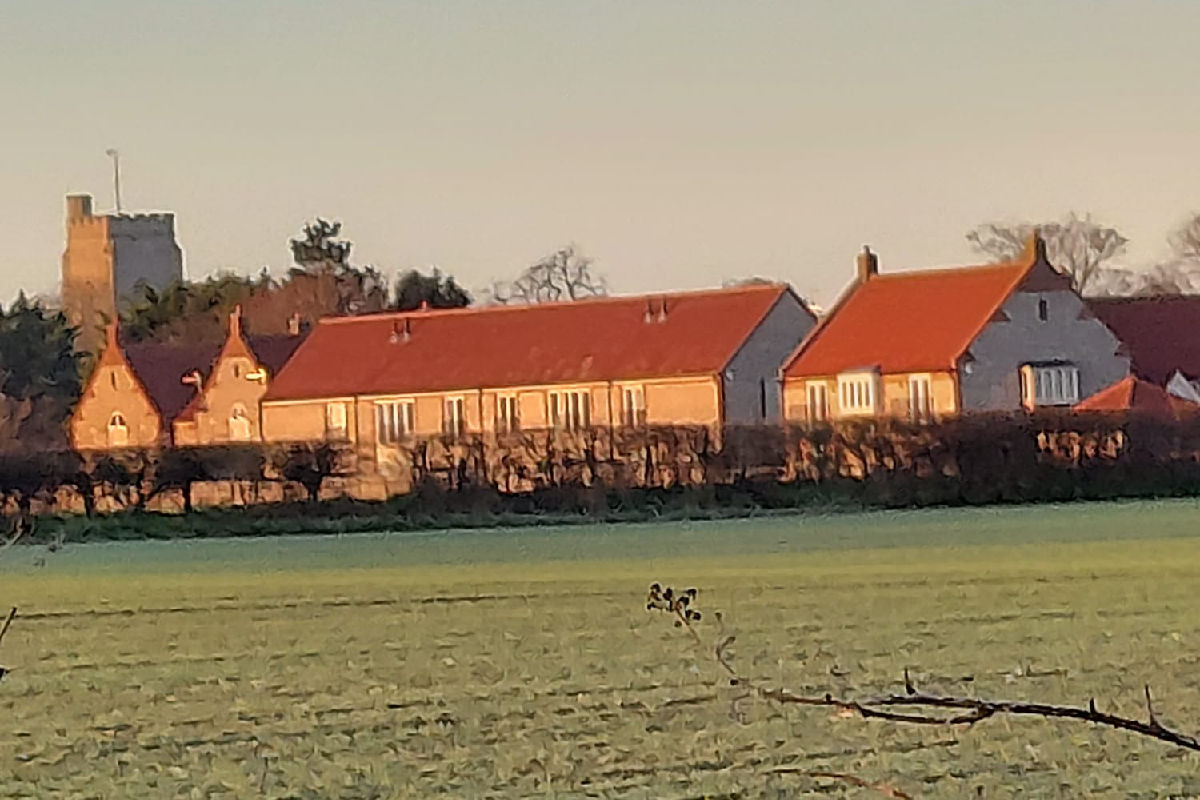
[695, 358]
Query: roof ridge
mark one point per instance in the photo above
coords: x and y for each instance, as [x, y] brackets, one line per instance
[933, 271]
[775, 286]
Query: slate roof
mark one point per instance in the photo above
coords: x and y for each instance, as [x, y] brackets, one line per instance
[160, 367]
[1161, 334]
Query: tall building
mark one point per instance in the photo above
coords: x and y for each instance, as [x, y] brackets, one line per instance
[106, 256]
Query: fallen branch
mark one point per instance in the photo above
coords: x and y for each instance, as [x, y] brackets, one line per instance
[896, 707]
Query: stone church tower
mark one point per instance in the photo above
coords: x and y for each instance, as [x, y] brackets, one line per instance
[106, 257]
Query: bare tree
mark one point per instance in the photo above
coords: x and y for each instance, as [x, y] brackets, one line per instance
[565, 274]
[1185, 240]
[1077, 246]
[1178, 276]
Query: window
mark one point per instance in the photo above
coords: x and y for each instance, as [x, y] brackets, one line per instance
[570, 410]
[856, 393]
[818, 402]
[508, 414]
[118, 431]
[335, 419]
[112, 376]
[1043, 310]
[1049, 385]
[454, 421]
[394, 420]
[633, 406]
[762, 398]
[920, 406]
[239, 424]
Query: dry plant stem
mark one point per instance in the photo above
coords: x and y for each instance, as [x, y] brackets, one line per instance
[7, 622]
[12, 540]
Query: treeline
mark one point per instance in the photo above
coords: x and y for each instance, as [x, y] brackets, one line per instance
[629, 474]
[39, 377]
[323, 282]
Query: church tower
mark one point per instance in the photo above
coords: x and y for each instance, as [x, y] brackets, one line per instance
[106, 257]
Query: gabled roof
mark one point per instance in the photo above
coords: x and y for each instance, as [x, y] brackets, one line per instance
[271, 352]
[1162, 334]
[616, 338]
[1132, 394]
[911, 321]
[161, 367]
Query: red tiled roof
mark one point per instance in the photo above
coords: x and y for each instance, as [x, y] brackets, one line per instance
[907, 321]
[501, 346]
[1137, 395]
[1162, 334]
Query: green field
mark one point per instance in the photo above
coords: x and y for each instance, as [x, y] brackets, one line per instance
[523, 663]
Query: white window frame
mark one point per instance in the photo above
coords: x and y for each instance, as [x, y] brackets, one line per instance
[239, 416]
[816, 398]
[858, 393]
[1049, 385]
[920, 397]
[454, 416]
[117, 431]
[633, 406]
[336, 417]
[569, 410]
[395, 420]
[508, 413]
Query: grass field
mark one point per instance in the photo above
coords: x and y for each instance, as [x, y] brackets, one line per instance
[523, 663]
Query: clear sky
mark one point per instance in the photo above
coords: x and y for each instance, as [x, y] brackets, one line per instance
[678, 142]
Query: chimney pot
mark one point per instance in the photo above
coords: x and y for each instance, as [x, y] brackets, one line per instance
[868, 264]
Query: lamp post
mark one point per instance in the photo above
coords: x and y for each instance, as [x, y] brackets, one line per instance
[116, 159]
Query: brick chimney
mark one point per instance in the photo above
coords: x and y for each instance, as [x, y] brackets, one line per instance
[868, 264]
[1035, 247]
[235, 322]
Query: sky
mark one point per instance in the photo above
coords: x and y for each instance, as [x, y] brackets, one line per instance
[678, 143]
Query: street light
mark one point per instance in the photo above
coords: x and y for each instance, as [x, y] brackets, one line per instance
[116, 158]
